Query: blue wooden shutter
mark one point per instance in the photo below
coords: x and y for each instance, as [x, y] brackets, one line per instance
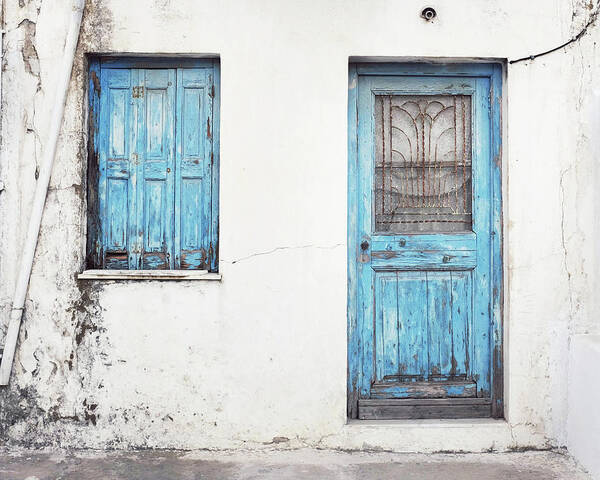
[194, 159]
[155, 169]
[117, 180]
[158, 167]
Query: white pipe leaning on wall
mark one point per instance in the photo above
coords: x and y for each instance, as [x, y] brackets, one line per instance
[41, 190]
[1, 62]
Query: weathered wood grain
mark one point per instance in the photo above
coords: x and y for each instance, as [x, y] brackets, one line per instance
[158, 161]
[354, 328]
[447, 322]
[424, 409]
[424, 260]
[444, 389]
[425, 242]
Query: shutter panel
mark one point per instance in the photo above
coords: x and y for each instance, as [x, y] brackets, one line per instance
[193, 169]
[155, 169]
[116, 185]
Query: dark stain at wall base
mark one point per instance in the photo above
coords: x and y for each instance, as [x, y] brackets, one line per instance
[17, 405]
[89, 414]
[21, 407]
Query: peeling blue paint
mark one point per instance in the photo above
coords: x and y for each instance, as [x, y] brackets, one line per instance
[157, 145]
[419, 304]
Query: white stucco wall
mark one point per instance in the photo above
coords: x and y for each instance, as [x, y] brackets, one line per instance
[262, 354]
[583, 425]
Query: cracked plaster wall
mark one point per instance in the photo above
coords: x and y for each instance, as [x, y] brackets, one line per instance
[262, 354]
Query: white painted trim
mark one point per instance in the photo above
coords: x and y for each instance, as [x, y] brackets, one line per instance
[148, 275]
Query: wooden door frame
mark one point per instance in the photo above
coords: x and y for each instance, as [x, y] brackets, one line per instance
[493, 71]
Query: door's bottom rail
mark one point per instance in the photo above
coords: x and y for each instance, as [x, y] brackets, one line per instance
[437, 408]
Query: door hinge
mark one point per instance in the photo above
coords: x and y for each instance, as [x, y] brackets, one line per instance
[212, 91]
[138, 92]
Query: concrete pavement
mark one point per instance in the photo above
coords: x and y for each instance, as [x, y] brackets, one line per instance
[283, 465]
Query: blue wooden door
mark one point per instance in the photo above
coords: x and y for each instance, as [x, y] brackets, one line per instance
[423, 242]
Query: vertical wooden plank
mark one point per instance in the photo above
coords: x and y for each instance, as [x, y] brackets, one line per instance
[205, 228]
[102, 161]
[215, 94]
[386, 335]
[170, 134]
[195, 157]
[157, 165]
[439, 321]
[114, 147]
[364, 226]
[497, 239]
[178, 167]
[462, 306]
[412, 329]
[354, 324]
[482, 214]
[153, 183]
[216, 165]
[136, 201]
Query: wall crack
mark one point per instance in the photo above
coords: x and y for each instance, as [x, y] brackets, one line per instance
[278, 249]
[564, 241]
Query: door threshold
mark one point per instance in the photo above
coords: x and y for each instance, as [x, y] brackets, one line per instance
[433, 408]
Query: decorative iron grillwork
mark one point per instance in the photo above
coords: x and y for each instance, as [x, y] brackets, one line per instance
[423, 163]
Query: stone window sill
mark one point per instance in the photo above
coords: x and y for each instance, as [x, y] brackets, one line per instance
[148, 275]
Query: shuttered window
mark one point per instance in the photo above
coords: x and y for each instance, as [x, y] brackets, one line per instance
[154, 165]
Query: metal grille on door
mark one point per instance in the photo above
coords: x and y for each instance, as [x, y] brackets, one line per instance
[423, 163]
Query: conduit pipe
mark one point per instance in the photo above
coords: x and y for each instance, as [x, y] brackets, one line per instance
[1, 62]
[41, 190]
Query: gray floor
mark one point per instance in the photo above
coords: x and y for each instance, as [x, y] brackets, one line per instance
[297, 464]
